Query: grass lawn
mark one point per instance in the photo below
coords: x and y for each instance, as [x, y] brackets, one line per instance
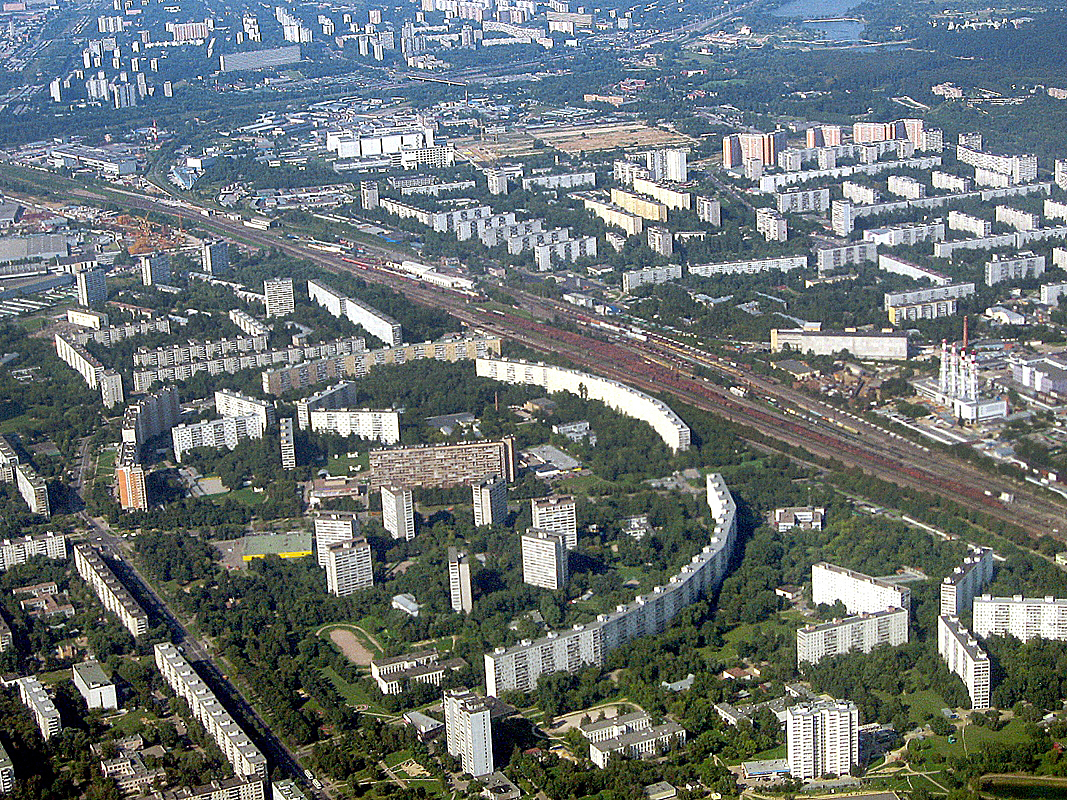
[923, 704]
[972, 738]
[342, 465]
[398, 757]
[585, 484]
[354, 694]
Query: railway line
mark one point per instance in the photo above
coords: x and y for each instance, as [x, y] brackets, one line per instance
[661, 365]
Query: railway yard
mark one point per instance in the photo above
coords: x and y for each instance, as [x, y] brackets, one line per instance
[661, 364]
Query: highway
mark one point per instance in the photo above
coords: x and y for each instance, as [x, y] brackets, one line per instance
[657, 365]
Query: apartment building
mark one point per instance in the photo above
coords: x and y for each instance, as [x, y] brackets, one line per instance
[490, 501]
[114, 596]
[36, 699]
[964, 658]
[556, 514]
[861, 594]
[863, 632]
[803, 201]
[150, 416]
[234, 404]
[959, 589]
[333, 527]
[1018, 267]
[544, 559]
[469, 731]
[459, 582]
[287, 443]
[296, 354]
[7, 772]
[614, 394]
[786, 264]
[442, 465]
[188, 352]
[226, 432]
[22, 549]
[108, 381]
[376, 323]
[376, 424]
[355, 365]
[822, 738]
[234, 743]
[349, 567]
[614, 215]
[1022, 617]
[280, 300]
[519, 667]
[650, 275]
[130, 485]
[398, 512]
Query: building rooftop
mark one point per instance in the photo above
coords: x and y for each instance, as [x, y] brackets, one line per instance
[92, 675]
[285, 545]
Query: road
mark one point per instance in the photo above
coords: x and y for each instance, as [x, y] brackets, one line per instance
[199, 655]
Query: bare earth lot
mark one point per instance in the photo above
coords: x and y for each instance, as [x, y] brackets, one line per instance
[352, 647]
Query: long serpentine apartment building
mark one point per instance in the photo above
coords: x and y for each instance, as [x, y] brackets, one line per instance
[520, 667]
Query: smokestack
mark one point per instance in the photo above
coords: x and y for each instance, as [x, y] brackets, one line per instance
[964, 331]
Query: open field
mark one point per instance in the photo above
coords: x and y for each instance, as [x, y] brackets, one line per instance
[352, 647]
[625, 135]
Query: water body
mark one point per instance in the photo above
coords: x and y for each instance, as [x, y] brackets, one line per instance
[845, 31]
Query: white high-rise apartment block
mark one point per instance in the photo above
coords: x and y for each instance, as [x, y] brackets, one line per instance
[279, 296]
[490, 499]
[92, 287]
[965, 658]
[860, 593]
[36, 699]
[334, 527]
[226, 432]
[544, 559]
[1021, 617]
[22, 549]
[556, 514]
[863, 632]
[822, 738]
[178, 674]
[398, 512]
[287, 442]
[7, 772]
[381, 425]
[232, 404]
[459, 581]
[959, 589]
[469, 731]
[349, 567]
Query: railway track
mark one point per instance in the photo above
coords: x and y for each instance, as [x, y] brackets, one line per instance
[870, 449]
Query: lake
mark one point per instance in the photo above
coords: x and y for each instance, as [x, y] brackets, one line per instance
[836, 31]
